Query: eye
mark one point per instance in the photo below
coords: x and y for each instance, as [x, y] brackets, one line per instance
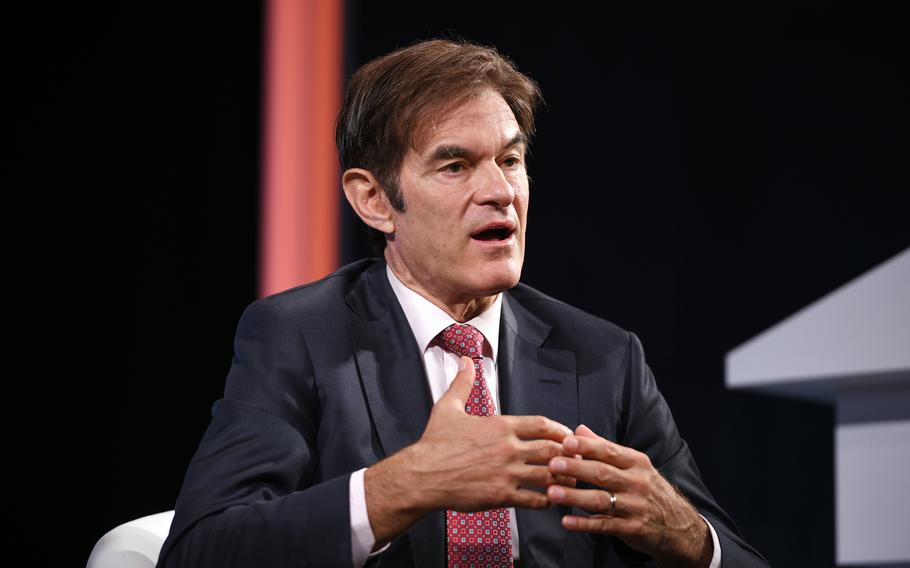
[511, 161]
[453, 168]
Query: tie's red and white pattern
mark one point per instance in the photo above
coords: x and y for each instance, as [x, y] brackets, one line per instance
[482, 539]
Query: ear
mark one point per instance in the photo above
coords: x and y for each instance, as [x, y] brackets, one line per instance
[368, 199]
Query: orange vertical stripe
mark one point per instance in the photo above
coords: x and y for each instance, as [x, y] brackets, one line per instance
[299, 225]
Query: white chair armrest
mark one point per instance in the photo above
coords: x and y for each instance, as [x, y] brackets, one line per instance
[135, 544]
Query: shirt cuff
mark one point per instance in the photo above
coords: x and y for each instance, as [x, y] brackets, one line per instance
[715, 558]
[362, 537]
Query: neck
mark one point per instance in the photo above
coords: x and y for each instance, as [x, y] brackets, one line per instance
[462, 312]
[459, 309]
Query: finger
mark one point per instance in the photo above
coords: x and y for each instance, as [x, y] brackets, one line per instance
[535, 476]
[565, 481]
[591, 471]
[601, 524]
[530, 427]
[526, 498]
[460, 389]
[603, 450]
[594, 501]
[539, 451]
[585, 432]
[540, 476]
[529, 499]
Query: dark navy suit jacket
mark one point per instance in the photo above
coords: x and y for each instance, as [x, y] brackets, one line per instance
[327, 379]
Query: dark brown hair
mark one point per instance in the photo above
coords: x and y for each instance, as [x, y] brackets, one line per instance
[389, 102]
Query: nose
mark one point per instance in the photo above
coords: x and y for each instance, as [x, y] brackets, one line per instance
[494, 187]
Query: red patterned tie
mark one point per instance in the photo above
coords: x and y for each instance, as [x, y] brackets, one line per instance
[481, 539]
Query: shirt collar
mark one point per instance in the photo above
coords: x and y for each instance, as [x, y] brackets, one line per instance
[427, 320]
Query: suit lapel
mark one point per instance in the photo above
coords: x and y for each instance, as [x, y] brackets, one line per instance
[536, 380]
[395, 385]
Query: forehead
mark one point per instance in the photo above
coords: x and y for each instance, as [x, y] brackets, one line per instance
[482, 120]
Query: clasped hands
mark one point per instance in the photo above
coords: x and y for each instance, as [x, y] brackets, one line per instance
[472, 463]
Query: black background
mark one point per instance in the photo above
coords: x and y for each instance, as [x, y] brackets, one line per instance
[699, 174]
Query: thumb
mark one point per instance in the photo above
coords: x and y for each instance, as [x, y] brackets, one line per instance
[460, 389]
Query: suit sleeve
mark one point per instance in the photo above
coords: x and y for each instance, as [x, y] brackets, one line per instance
[252, 495]
[648, 426]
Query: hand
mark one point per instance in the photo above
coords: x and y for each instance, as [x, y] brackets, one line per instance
[650, 514]
[464, 462]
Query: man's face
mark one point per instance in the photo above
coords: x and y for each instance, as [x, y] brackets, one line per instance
[466, 194]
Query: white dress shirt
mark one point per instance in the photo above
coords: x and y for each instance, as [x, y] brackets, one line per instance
[426, 321]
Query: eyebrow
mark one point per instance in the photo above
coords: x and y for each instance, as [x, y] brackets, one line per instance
[451, 151]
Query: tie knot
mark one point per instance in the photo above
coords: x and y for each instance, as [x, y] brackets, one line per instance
[462, 339]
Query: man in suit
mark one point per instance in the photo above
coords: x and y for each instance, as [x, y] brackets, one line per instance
[427, 409]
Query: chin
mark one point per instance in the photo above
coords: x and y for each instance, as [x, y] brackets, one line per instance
[501, 279]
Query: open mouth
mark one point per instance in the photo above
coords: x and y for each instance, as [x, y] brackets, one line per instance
[495, 234]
